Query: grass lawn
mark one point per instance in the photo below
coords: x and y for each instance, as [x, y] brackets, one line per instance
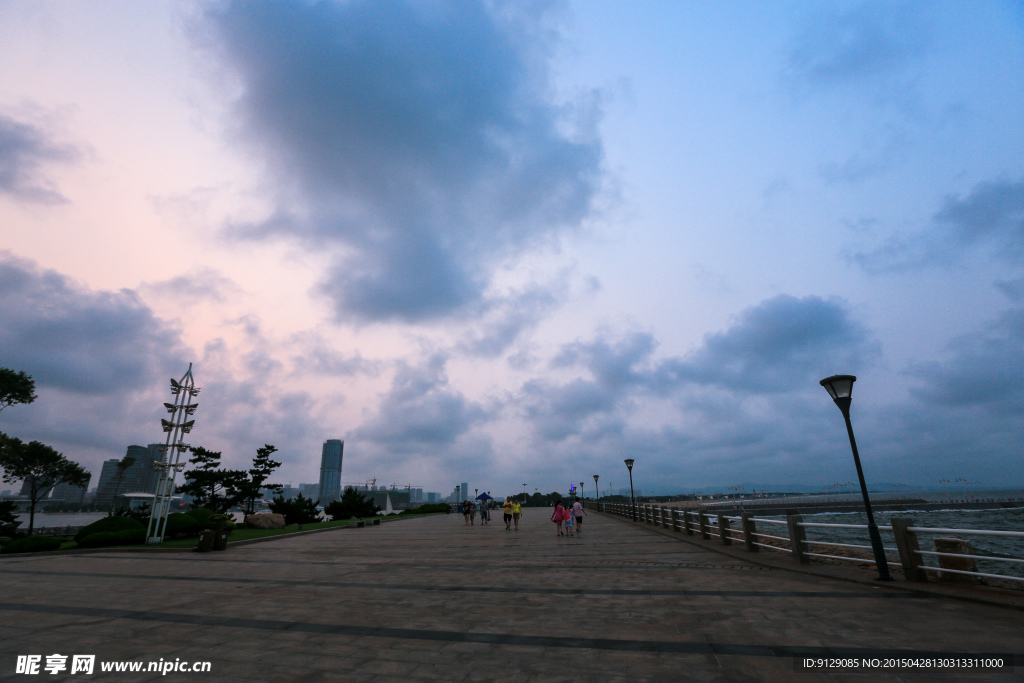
[244, 534]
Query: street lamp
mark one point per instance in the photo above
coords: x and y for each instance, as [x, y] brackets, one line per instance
[524, 493]
[840, 388]
[632, 499]
[597, 501]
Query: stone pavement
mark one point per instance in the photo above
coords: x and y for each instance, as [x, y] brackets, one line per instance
[433, 599]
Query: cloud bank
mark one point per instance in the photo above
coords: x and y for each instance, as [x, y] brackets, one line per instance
[418, 143]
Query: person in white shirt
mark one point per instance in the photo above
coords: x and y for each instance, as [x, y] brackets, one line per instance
[578, 512]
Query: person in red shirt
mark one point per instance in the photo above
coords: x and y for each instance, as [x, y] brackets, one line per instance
[557, 516]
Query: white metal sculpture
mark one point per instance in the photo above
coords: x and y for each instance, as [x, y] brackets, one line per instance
[180, 424]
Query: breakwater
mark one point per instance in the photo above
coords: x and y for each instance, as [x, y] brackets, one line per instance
[895, 505]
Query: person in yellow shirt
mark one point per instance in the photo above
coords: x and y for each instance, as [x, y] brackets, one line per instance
[506, 510]
[517, 512]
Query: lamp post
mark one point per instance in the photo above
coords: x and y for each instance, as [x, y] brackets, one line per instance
[840, 388]
[597, 491]
[632, 499]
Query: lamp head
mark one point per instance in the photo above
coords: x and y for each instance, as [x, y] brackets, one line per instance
[629, 463]
[595, 478]
[840, 388]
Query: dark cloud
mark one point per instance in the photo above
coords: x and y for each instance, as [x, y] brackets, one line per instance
[199, 284]
[421, 411]
[77, 339]
[983, 369]
[320, 359]
[782, 345]
[1013, 289]
[511, 316]
[418, 140]
[872, 41]
[990, 217]
[994, 213]
[24, 150]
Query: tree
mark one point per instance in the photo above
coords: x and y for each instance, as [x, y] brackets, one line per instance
[15, 387]
[298, 510]
[40, 466]
[352, 504]
[8, 522]
[126, 462]
[210, 486]
[262, 468]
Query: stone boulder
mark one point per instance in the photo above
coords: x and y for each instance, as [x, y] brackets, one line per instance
[265, 520]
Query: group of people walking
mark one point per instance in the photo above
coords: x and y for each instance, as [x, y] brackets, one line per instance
[511, 510]
[564, 517]
[568, 520]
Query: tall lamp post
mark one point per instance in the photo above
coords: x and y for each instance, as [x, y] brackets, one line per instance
[632, 499]
[597, 501]
[840, 388]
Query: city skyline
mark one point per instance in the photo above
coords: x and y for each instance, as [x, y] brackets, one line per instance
[521, 243]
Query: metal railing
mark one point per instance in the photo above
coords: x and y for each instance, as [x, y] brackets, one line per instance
[906, 555]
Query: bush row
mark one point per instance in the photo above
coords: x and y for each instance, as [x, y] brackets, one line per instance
[32, 544]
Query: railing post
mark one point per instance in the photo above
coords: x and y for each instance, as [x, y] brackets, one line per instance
[723, 529]
[687, 526]
[703, 523]
[906, 543]
[797, 538]
[664, 517]
[649, 513]
[749, 532]
[675, 519]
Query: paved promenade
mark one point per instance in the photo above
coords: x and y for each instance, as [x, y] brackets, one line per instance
[432, 599]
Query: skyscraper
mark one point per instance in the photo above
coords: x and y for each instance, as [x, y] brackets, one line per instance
[330, 471]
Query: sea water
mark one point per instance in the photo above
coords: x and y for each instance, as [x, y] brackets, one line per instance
[1003, 519]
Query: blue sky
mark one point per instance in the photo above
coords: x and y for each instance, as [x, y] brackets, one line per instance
[519, 242]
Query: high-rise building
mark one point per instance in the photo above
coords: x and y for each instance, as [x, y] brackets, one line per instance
[466, 493]
[26, 489]
[140, 477]
[68, 493]
[330, 471]
[105, 487]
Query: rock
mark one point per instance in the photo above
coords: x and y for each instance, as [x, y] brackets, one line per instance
[964, 564]
[265, 520]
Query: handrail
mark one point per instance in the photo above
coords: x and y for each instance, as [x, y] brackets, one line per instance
[975, 557]
[705, 522]
[976, 532]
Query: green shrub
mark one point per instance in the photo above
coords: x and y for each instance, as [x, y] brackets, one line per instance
[109, 524]
[180, 524]
[201, 515]
[31, 544]
[220, 523]
[297, 510]
[105, 538]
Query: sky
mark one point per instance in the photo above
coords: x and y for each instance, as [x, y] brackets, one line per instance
[515, 243]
